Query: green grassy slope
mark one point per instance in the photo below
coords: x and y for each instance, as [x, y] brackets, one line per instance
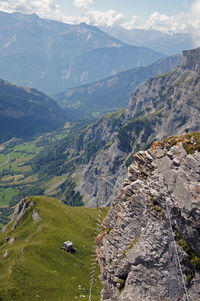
[36, 268]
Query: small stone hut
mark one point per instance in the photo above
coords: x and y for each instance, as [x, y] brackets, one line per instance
[69, 247]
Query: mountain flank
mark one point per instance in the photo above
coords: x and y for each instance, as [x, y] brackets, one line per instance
[112, 93]
[149, 248]
[25, 112]
[33, 264]
[164, 106]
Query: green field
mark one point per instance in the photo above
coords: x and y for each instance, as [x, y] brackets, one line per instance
[22, 151]
[6, 195]
[5, 167]
[35, 267]
[15, 175]
[27, 148]
[3, 158]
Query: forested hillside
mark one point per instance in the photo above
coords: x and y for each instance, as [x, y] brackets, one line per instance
[25, 112]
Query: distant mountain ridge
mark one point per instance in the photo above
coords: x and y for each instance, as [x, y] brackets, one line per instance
[166, 43]
[53, 56]
[25, 112]
[112, 93]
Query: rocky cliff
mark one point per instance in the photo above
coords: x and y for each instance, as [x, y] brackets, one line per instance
[172, 98]
[191, 60]
[165, 105]
[149, 246]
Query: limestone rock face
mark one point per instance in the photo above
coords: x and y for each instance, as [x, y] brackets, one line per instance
[191, 60]
[20, 210]
[165, 105]
[149, 248]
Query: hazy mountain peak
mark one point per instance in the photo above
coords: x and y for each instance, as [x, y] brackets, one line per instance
[164, 42]
[52, 56]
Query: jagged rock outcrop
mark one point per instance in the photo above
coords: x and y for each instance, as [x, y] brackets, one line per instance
[165, 105]
[191, 60]
[20, 210]
[155, 217]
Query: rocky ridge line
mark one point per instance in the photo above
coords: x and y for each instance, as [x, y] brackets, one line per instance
[136, 251]
[165, 105]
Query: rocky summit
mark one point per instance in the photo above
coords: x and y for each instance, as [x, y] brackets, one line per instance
[149, 248]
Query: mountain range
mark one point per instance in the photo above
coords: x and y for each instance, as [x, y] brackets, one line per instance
[52, 56]
[112, 93]
[167, 43]
[26, 112]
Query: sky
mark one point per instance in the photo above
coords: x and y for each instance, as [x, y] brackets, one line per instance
[170, 16]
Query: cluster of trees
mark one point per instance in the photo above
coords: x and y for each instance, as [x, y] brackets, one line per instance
[5, 215]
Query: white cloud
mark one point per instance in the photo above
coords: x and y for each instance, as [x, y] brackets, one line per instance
[195, 9]
[48, 9]
[134, 23]
[180, 23]
[108, 18]
[43, 8]
[98, 18]
[83, 3]
[195, 22]
[169, 24]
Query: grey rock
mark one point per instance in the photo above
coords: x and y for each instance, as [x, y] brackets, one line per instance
[20, 210]
[5, 254]
[11, 241]
[35, 215]
[138, 257]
